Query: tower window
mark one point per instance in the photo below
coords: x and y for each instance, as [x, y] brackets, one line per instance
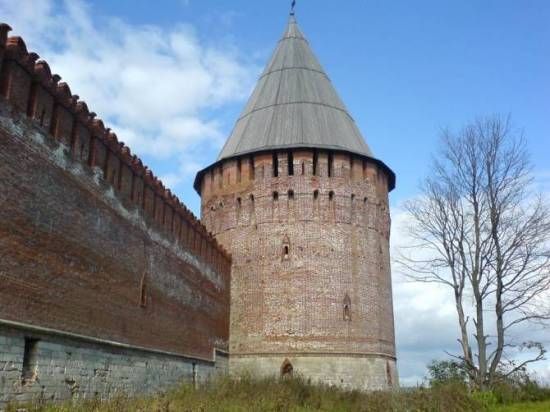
[286, 248]
[275, 196]
[290, 164]
[303, 168]
[347, 308]
[291, 194]
[30, 355]
[315, 195]
[331, 195]
[239, 202]
[275, 165]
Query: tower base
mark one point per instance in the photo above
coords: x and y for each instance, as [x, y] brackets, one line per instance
[352, 372]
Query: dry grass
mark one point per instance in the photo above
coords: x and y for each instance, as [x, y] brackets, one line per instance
[247, 395]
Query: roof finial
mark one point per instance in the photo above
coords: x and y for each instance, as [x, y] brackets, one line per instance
[292, 7]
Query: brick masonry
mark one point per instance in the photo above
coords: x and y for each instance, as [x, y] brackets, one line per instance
[311, 278]
[93, 244]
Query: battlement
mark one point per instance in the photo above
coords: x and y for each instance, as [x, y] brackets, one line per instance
[31, 89]
[323, 169]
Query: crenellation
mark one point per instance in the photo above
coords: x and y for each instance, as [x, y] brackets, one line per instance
[31, 88]
[357, 169]
[322, 164]
[4, 30]
[16, 76]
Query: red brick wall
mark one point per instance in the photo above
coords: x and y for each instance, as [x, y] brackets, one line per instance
[77, 235]
[338, 243]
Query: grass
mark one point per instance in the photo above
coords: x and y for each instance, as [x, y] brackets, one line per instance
[543, 406]
[294, 395]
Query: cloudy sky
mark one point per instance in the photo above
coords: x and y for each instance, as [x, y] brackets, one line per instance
[171, 77]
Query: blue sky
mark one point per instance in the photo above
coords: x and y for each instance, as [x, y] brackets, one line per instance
[170, 78]
[405, 69]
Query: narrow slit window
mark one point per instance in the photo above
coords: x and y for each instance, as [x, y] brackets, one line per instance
[143, 292]
[315, 195]
[330, 164]
[347, 308]
[30, 358]
[303, 169]
[286, 248]
[275, 165]
[239, 203]
[290, 164]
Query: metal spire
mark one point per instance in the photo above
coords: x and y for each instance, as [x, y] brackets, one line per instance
[292, 7]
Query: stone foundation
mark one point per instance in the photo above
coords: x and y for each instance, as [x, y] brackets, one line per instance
[36, 365]
[360, 372]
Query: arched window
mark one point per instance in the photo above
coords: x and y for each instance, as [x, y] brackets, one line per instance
[291, 194]
[286, 248]
[347, 308]
[286, 369]
[315, 195]
[331, 195]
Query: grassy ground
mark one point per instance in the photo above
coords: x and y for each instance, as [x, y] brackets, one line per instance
[293, 396]
[543, 406]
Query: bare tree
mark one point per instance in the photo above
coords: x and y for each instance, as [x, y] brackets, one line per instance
[479, 228]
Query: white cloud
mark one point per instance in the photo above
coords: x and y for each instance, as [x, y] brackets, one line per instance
[154, 86]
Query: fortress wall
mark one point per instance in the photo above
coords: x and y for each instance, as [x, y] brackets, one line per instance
[303, 238]
[93, 245]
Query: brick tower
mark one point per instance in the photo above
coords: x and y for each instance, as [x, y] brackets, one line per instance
[300, 201]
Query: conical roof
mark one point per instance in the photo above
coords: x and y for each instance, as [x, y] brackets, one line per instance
[294, 105]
